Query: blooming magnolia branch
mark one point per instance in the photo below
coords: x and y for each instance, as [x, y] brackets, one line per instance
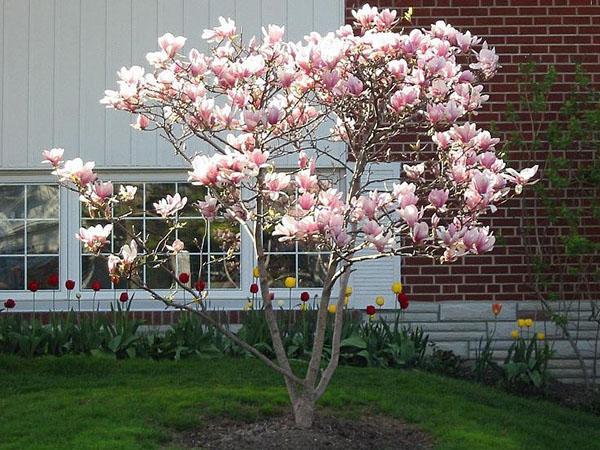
[244, 108]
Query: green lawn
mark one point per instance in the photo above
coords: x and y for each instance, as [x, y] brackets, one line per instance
[79, 402]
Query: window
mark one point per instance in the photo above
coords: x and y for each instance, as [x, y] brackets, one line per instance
[29, 234]
[215, 259]
[302, 261]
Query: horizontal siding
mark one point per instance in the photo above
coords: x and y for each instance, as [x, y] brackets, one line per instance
[58, 56]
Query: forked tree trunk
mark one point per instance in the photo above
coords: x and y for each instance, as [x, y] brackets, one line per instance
[304, 410]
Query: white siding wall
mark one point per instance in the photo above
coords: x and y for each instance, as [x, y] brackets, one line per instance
[58, 56]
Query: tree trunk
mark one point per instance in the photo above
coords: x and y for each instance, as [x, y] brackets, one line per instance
[304, 411]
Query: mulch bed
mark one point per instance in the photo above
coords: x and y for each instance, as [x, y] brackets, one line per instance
[328, 432]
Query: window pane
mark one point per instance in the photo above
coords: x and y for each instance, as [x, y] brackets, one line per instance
[198, 268]
[311, 269]
[193, 194]
[42, 236]
[155, 230]
[95, 268]
[122, 237]
[39, 268]
[156, 191]
[13, 202]
[224, 274]
[12, 237]
[192, 235]
[279, 267]
[157, 278]
[225, 236]
[42, 201]
[135, 208]
[12, 273]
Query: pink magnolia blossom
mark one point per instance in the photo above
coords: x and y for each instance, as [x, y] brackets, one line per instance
[521, 178]
[273, 34]
[127, 193]
[77, 171]
[226, 30]
[420, 231]
[438, 197]
[487, 61]
[169, 205]
[171, 44]
[479, 240]
[209, 207]
[414, 172]
[129, 253]
[94, 237]
[176, 247]
[275, 183]
[141, 122]
[54, 156]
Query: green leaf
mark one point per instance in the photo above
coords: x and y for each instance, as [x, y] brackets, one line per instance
[354, 341]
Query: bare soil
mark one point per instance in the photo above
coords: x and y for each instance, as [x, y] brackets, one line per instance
[328, 432]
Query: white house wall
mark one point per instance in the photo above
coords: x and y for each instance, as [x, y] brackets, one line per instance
[58, 56]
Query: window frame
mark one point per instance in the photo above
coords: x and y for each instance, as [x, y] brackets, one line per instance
[44, 297]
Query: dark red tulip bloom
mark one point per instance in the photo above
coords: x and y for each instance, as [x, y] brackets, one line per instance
[70, 285]
[305, 296]
[371, 310]
[254, 288]
[33, 286]
[95, 285]
[53, 280]
[10, 303]
[184, 277]
[124, 297]
[403, 300]
[200, 285]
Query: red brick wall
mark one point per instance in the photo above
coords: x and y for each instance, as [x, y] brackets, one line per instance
[549, 32]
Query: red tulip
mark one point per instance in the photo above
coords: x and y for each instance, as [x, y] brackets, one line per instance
[371, 310]
[70, 285]
[33, 286]
[403, 300]
[124, 297]
[10, 303]
[254, 288]
[53, 280]
[305, 296]
[272, 295]
[95, 285]
[200, 285]
[496, 308]
[184, 277]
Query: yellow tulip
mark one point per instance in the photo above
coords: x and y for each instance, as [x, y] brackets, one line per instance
[256, 272]
[248, 306]
[332, 308]
[541, 336]
[521, 323]
[346, 300]
[348, 291]
[528, 323]
[397, 287]
[515, 334]
[380, 300]
[304, 306]
[289, 282]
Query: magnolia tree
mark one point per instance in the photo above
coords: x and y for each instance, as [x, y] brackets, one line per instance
[240, 112]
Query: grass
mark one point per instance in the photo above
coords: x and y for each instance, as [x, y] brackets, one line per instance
[85, 402]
